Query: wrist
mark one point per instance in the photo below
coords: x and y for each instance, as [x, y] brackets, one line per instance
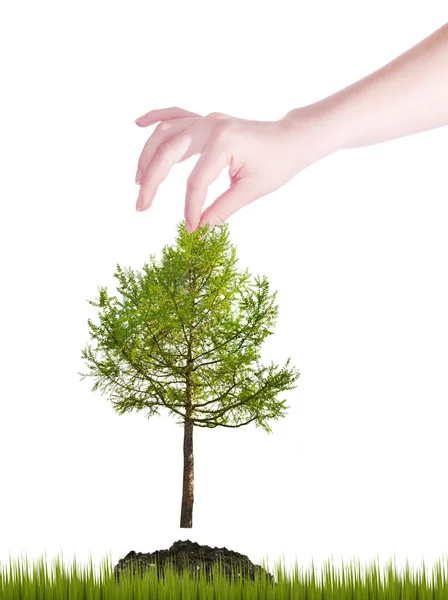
[325, 118]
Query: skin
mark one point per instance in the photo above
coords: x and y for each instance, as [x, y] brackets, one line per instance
[407, 96]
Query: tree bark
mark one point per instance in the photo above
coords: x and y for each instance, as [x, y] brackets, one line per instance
[186, 514]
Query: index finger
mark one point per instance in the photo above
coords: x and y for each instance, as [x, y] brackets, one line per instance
[208, 168]
[164, 114]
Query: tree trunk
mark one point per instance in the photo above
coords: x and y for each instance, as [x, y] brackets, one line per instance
[186, 514]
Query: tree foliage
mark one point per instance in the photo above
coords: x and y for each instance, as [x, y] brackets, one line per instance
[186, 333]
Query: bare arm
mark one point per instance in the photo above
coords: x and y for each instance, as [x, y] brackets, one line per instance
[408, 95]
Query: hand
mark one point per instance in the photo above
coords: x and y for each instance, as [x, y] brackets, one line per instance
[261, 155]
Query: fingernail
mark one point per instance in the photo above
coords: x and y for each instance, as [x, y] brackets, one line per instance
[139, 202]
[188, 225]
[138, 176]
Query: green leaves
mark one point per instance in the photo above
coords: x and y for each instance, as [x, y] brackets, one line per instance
[187, 332]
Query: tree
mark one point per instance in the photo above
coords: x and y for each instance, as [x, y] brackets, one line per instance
[186, 336]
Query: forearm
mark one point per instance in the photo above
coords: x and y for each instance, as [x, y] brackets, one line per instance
[408, 95]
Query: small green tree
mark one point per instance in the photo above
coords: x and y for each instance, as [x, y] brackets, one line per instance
[186, 336]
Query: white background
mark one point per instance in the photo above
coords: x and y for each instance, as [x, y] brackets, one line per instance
[356, 246]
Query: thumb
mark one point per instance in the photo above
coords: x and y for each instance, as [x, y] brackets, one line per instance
[238, 195]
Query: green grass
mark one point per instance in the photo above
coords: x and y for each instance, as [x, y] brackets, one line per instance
[19, 583]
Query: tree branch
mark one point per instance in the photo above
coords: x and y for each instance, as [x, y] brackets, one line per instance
[212, 426]
[247, 325]
[148, 378]
[219, 345]
[228, 408]
[212, 362]
[195, 406]
[167, 364]
[177, 309]
[210, 273]
[211, 306]
[108, 376]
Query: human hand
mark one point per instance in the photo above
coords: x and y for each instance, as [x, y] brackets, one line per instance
[261, 155]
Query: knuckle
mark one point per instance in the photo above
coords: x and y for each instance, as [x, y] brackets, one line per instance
[163, 126]
[222, 131]
[159, 127]
[216, 115]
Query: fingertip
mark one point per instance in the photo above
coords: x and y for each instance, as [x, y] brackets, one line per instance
[191, 222]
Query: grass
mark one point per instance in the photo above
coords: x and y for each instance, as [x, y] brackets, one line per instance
[17, 583]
